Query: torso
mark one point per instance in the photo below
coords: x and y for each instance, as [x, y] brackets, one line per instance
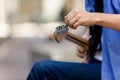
[111, 45]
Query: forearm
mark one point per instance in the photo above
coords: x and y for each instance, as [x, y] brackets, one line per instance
[78, 17]
[111, 21]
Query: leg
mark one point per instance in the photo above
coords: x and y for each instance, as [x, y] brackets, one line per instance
[54, 70]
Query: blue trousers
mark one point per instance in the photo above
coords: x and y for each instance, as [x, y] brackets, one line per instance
[55, 70]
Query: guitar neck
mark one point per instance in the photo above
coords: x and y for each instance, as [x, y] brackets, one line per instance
[77, 40]
[62, 32]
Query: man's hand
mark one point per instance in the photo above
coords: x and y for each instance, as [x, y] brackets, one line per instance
[78, 17]
[81, 52]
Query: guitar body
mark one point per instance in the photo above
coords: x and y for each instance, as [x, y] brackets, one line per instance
[61, 33]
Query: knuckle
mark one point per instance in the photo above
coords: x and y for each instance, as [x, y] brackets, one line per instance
[78, 15]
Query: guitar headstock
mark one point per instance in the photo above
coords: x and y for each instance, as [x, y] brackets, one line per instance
[61, 29]
[59, 33]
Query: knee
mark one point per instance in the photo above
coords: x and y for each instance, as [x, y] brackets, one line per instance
[38, 69]
[42, 64]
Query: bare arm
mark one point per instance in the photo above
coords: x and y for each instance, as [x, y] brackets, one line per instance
[108, 20]
[78, 17]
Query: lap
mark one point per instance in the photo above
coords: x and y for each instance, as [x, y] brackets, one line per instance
[69, 70]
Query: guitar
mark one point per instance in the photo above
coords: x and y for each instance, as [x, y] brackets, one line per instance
[61, 33]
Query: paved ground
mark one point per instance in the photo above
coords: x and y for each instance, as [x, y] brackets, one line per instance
[18, 55]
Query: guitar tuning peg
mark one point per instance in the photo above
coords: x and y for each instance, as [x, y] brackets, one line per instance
[61, 29]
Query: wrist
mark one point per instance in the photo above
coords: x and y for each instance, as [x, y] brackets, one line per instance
[97, 18]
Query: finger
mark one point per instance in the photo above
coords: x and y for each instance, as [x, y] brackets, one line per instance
[72, 14]
[80, 49]
[78, 23]
[66, 21]
[80, 52]
[80, 55]
[75, 19]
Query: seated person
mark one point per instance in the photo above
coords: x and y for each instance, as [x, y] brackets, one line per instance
[56, 70]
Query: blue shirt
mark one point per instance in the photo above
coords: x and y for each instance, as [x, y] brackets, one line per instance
[110, 42]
